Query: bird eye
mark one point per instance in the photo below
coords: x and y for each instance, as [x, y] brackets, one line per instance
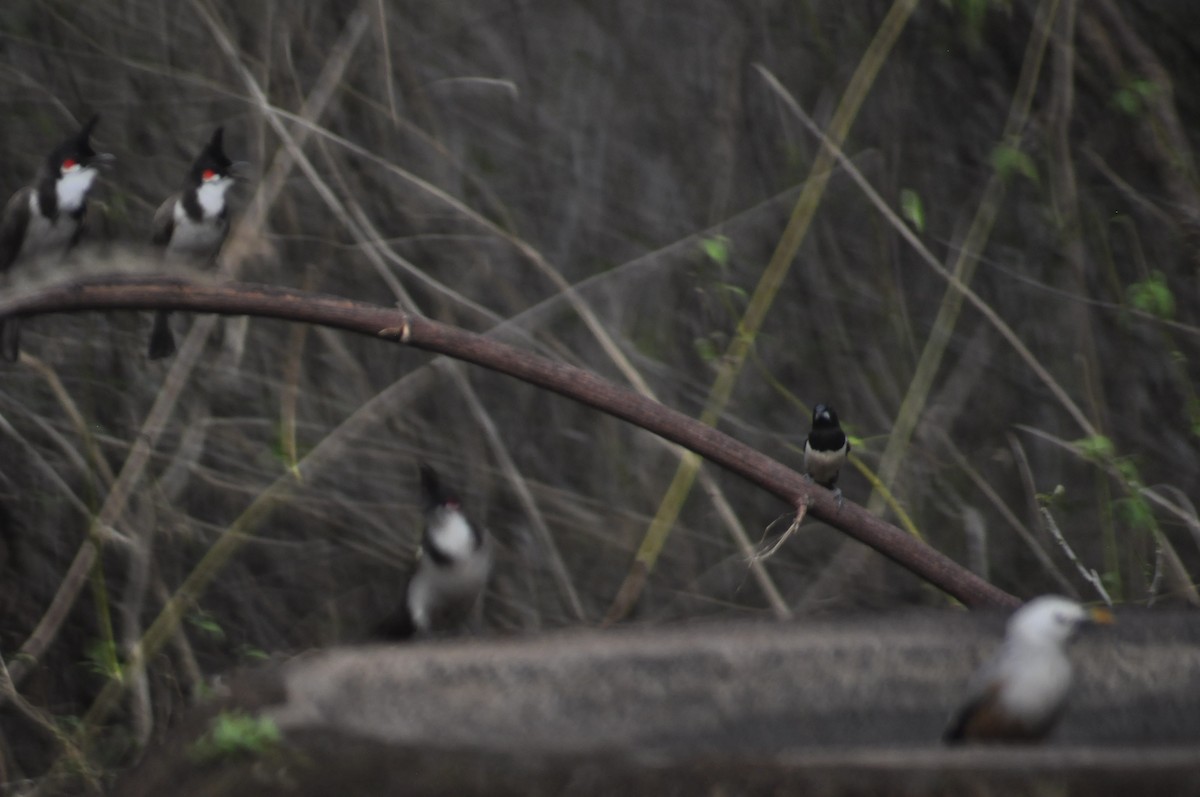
[208, 175]
[70, 165]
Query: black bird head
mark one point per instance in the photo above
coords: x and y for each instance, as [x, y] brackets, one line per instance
[75, 154]
[212, 164]
[436, 494]
[824, 417]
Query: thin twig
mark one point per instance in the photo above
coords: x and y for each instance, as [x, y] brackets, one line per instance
[1088, 574]
[770, 551]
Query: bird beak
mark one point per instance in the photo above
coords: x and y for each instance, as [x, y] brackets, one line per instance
[103, 159]
[1101, 616]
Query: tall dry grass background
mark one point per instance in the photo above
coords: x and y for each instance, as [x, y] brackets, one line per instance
[470, 161]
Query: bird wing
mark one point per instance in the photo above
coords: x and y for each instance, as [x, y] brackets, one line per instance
[978, 710]
[983, 691]
[164, 222]
[12, 228]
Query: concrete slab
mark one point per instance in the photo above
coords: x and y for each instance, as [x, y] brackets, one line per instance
[842, 705]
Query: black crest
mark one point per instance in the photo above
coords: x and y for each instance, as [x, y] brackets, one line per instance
[77, 148]
[211, 158]
[436, 493]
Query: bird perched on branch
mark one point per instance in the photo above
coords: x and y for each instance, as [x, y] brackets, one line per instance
[44, 220]
[192, 224]
[452, 568]
[1021, 692]
[825, 449]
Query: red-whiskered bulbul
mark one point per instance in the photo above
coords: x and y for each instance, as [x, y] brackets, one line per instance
[191, 225]
[452, 568]
[44, 220]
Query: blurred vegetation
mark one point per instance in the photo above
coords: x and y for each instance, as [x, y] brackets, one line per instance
[469, 161]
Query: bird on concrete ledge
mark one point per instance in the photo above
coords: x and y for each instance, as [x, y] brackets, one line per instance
[1020, 694]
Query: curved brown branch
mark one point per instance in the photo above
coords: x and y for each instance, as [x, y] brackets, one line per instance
[169, 293]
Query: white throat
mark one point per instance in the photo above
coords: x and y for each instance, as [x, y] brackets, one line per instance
[72, 189]
[452, 534]
[211, 197]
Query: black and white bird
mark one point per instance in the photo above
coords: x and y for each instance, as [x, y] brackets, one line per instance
[453, 564]
[44, 220]
[191, 225]
[1021, 692]
[825, 449]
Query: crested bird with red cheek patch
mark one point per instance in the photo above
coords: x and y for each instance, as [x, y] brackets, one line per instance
[191, 225]
[43, 221]
[452, 569]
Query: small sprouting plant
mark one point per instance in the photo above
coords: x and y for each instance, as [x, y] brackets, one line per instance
[1132, 97]
[236, 733]
[102, 659]
[1153, 295]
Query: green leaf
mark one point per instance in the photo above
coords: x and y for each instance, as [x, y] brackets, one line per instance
[1051, 498]
[736, 291]
[1153, 295]
[706, 349]
[1133, 96]
[1136, 513]
[716, 249]
[912, 209]
[1147, 89]
[205, 622]
[1127, 101]
[101, 658]
[251, 653]
[1129, 472]
[1096, 449]
[1008, 160]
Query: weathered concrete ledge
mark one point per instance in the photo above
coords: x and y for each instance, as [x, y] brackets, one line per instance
[845, 705]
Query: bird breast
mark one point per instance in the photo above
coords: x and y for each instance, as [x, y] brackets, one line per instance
[1035, 683]
[200, 238]
[72, 189]
[823, 465]
[451, 534]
